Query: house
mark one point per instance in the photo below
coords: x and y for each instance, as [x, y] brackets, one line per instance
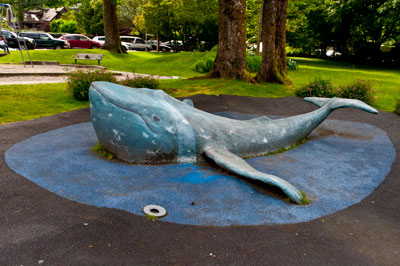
[40, 19]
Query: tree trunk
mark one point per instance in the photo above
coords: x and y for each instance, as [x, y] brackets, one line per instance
[158, 43]
[273, 64]
[111, 31]
[231, 54]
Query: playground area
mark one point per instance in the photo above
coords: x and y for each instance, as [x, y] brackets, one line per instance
[38, 225]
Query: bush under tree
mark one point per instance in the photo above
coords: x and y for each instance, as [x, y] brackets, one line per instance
[79, 82]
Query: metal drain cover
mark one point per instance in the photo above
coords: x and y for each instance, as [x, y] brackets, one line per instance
[154, 211]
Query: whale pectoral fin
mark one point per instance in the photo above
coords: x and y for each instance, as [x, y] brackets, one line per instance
[237, 165]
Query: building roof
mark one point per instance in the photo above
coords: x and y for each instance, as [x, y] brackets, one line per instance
[47, 14]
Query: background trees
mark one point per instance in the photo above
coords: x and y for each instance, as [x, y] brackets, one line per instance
[359, 30]
[193, 22]
[89, 19]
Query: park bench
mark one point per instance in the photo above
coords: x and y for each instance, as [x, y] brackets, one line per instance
[97, 57]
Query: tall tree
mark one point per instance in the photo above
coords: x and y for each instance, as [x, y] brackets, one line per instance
[158, 15]
[253, 22]
[89, 19]
[231, 54]
[368, 24]
[192, 21]
[273, 64]
[111, 31]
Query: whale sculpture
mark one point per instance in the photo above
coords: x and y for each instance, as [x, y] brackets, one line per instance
[148, 126]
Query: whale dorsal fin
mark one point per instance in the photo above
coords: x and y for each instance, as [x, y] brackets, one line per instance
[261, 119]
[237, 165]
[188, 102]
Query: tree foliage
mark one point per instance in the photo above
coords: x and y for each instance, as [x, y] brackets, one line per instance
[130, 14]
[253, 12]
[357, 29]
[90, 17]
[195, 22]
[64, 26]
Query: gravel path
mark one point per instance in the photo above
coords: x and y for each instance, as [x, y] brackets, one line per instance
[18, 74]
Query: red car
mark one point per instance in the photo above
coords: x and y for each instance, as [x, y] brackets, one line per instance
[80, 41]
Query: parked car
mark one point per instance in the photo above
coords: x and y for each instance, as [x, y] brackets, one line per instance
[137, 43]
[125, 45]
[45, 40]
[175, 45]
[80, 41]
[13, 39]
[162, 47]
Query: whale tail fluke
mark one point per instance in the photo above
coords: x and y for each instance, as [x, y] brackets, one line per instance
[335, 103]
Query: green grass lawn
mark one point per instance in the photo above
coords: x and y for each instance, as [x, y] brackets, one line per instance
[21, 102]
[187, 87]
[24, 102]
[169, 64]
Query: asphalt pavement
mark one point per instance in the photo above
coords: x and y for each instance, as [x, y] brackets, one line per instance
[38, 227]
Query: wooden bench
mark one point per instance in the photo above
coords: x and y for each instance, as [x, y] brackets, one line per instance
[97, 57]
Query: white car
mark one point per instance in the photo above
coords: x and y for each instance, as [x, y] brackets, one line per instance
[175, 45]
[101, 39]
[137, 43]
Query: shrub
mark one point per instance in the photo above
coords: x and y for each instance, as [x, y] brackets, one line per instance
[360, 90]
[214, 49]
[78, 82]
[291, 64]
[397, 109]
[63, 25]
[253, 62]
[141, 82]
[318, 88]
[55, 25]
[205, 64]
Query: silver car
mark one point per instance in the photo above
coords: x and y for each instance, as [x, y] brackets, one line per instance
[137, 43]
[125, 45]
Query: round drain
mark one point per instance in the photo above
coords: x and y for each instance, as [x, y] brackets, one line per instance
[154, 211]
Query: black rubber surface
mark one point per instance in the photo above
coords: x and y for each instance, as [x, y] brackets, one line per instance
[38, 227]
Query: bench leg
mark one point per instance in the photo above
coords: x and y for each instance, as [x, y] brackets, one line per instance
[75, 61]
[98, 62]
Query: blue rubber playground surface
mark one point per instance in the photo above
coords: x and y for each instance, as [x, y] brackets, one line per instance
[341, 164]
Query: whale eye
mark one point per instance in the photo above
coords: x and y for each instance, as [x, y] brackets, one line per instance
[156, 118]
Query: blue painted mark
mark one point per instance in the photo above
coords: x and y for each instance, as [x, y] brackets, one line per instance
[342, 163]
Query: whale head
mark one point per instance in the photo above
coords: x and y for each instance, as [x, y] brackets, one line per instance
[140, 125]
